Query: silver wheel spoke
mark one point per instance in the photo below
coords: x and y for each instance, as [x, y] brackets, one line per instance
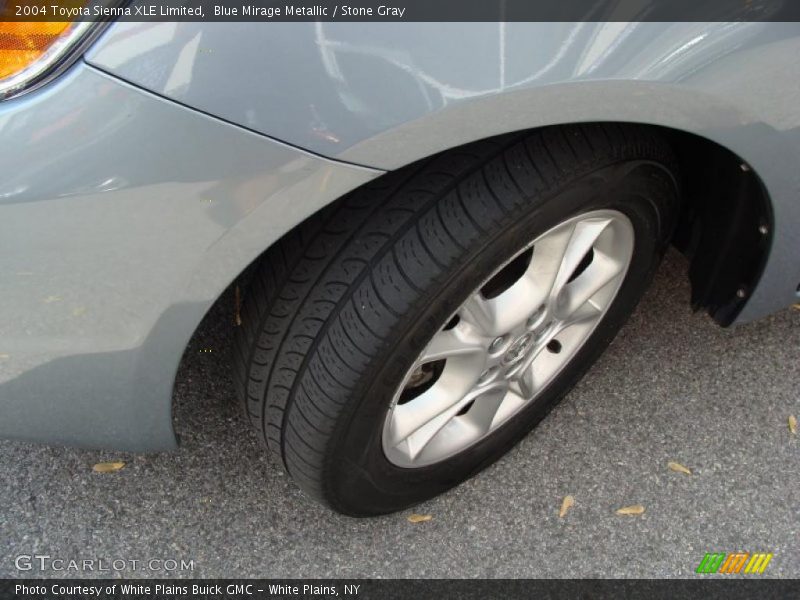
[584, 234]
[585, 313]
[512, 402]
[548, 257]
[497, 316]
[525, 382]
[453, 342]
[576, 294]
[486, 405]
[419, 439]
[408, 419]
[481, 313]
[505, 350]
[416, 431]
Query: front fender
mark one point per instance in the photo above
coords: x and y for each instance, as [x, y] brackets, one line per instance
[123, 216]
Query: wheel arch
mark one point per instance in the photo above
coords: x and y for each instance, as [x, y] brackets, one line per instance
[735, 188]
[733, 204]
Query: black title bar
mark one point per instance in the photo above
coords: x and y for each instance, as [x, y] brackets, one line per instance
[403, 10]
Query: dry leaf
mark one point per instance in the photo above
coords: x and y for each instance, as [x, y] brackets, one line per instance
[796, 306]
[636, 509]
[107, 467]
[415, 518]
[793, 424]
[237, 306]
[568, 503]
[679, 468]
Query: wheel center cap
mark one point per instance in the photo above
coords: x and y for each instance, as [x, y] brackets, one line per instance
[518, 349]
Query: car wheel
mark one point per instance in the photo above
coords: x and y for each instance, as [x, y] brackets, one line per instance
[408, 336]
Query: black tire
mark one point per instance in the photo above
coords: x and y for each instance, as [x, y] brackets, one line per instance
[340, 308]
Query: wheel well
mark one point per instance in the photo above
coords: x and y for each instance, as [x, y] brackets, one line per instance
[724, 228]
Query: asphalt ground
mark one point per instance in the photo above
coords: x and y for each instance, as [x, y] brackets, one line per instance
[672, 387]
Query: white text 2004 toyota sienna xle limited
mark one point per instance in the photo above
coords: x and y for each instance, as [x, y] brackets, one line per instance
[436, 228]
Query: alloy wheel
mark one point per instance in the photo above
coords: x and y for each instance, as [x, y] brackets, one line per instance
[509, 339]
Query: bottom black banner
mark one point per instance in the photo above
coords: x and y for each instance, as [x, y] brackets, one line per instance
[363, 589]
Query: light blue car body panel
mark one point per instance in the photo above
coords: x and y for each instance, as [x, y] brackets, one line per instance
[122, 218]
[136, 187]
